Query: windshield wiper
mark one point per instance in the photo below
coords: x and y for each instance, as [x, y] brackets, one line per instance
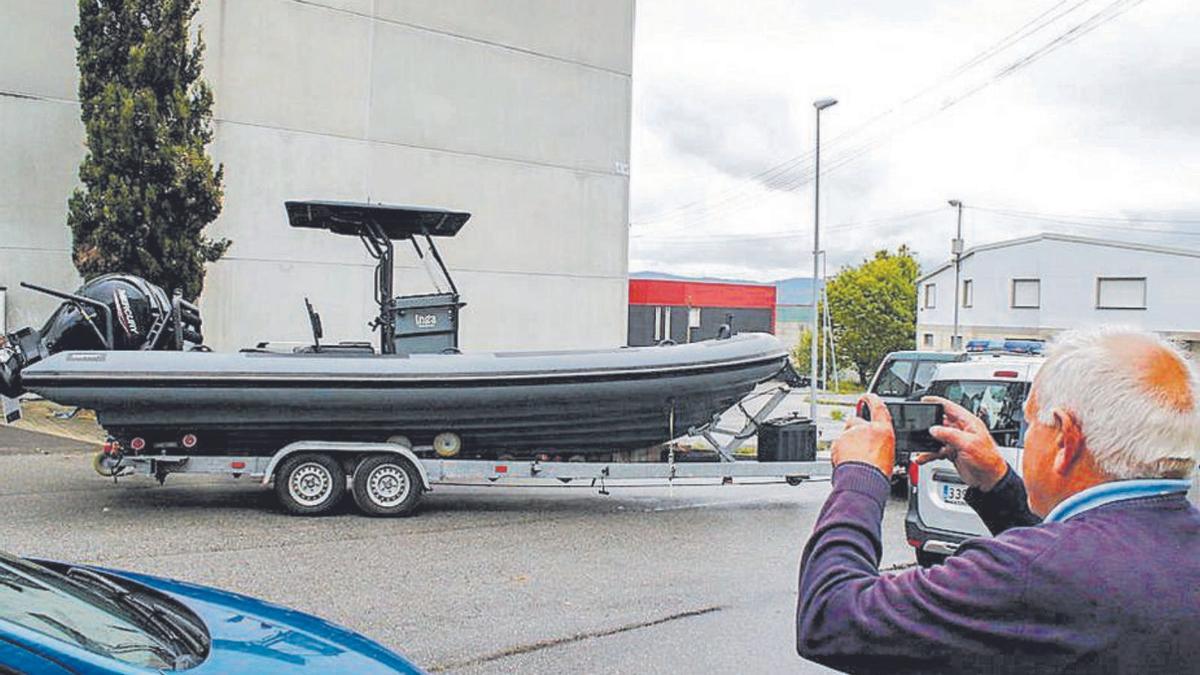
[169, 623]
[123, 648]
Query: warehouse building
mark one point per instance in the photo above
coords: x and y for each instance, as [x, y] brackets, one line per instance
[687, 311]
[517, 114]
[1035, 287]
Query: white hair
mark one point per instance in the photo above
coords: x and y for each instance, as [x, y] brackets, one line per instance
[1131, 430]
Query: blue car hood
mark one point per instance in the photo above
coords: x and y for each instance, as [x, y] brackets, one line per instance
[252, 636]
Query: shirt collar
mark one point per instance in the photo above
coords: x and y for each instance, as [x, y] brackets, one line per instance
[1115, 491]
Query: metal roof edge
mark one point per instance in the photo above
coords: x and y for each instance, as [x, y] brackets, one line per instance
[1056, 236]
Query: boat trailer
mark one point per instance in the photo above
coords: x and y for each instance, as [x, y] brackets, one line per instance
[310, 477]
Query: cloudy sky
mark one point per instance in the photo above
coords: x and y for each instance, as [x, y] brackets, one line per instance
[1078, 116]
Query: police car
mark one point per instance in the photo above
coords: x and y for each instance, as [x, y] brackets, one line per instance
[994, 388]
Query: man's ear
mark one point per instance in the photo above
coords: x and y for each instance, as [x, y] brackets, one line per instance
[1068, 440]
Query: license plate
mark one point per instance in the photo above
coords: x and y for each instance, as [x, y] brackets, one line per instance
[954, 494]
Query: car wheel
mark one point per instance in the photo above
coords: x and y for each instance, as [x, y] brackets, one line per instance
[386, 485]
[927, 559]
[310, 484]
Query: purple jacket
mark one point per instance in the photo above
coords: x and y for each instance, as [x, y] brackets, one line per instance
[1114, 589]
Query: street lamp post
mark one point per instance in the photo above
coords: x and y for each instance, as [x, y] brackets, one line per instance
[956, 249]
[820, 105]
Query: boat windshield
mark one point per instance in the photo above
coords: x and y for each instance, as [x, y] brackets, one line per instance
[45, 601]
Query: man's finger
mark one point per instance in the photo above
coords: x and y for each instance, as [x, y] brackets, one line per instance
[854, 422]
[955, 413]
[879, 409]
[927, 457]
[955, 438]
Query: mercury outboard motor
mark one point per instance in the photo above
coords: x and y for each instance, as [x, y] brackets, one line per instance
[110, 312]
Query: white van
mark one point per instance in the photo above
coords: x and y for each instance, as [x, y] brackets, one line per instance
[994, 387]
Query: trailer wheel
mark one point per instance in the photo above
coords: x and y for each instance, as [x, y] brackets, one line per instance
[386, 485]
[310, 484]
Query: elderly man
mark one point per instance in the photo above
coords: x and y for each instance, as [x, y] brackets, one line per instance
[1095, 562]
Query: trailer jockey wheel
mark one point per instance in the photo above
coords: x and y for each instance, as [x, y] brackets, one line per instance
[386, 485]
[310, 484]
[447, 444]
[105, 464]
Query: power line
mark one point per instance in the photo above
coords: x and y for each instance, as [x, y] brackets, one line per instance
[1090, 225]
[777, 178]
[781, 234]
[1086, 217]
[771, 177]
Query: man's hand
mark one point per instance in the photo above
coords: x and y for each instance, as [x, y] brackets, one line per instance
[872, 442]
[969, 444]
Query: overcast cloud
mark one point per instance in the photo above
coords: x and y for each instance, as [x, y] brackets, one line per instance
[1106, 127]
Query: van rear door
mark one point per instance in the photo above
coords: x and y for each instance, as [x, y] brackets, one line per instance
[940, 490]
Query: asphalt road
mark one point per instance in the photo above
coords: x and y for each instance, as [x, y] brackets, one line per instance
[491, 580]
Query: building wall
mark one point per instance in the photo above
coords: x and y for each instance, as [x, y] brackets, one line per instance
[642, 320]
[750, 308]
[1068, 272]
[520, 115]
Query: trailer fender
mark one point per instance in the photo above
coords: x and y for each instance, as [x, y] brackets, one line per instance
[345, 448]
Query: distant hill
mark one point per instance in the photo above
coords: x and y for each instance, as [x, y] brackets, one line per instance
[794, 291]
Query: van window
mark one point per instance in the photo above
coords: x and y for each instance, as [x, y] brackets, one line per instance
[894, 378]
[999, 404]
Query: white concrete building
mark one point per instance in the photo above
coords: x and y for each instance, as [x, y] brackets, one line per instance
[518, 112]
[1037, 286]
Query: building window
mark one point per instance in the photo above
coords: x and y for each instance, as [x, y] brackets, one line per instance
[927, 340]
[657, 323]
[930, 296]
[693, 317]
[1121, 293]
[968, 293]
[1026, 293]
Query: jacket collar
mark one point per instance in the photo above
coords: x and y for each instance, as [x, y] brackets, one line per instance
[1115, 491]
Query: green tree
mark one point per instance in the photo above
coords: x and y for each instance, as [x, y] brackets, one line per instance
[873, 308]
[149, 188]
[802, 351]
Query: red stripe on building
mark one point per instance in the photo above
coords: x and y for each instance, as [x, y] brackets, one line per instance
[668, 292]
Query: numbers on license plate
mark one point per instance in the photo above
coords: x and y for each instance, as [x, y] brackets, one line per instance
[954, 494]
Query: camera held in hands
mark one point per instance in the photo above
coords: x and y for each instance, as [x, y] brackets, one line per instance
[910, 422]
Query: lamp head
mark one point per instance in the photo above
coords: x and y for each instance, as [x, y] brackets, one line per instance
[955, 203]
[823, 103]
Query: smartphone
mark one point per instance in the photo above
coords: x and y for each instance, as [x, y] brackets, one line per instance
[911, 422]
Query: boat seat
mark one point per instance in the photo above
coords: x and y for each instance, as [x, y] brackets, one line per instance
[339, 348]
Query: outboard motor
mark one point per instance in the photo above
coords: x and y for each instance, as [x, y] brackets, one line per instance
[110, 312]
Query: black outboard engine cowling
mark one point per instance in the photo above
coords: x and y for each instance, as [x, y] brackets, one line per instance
[110, 312]
[134, 305]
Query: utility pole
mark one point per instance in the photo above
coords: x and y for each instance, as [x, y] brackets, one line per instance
[956, 250]
[820, 105]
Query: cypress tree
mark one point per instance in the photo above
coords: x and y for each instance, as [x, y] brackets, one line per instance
[149, 188]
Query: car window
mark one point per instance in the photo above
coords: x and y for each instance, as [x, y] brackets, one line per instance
[44, 601]
[894, 378]
[923, 376]
[998, 404]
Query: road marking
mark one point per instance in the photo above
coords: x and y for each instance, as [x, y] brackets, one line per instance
[578, 637]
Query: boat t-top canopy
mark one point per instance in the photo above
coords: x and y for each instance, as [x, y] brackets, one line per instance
[378, 225]
[395, 222]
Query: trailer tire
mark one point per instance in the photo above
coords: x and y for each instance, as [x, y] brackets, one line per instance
[386, 485]
[310, 484]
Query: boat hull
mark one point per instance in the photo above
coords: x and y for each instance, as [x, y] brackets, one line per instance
[577, 402]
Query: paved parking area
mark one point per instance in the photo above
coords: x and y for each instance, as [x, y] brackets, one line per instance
[491, 580]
